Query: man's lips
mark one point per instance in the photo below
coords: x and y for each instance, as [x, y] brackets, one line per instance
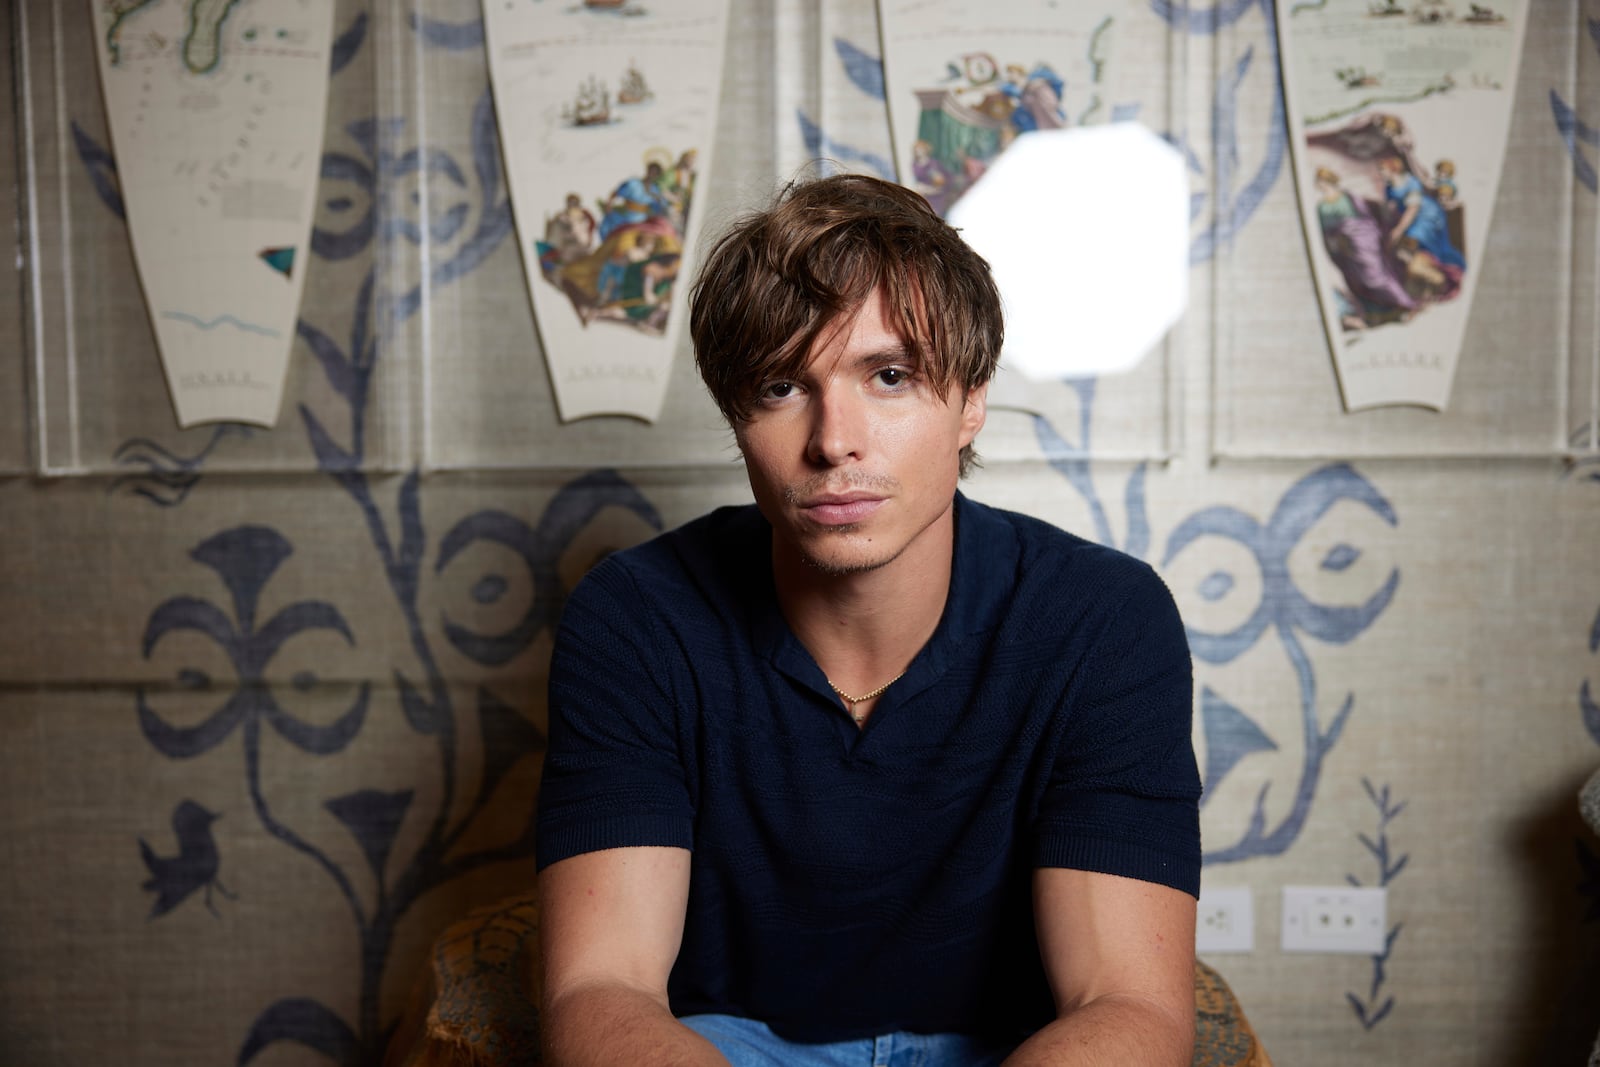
[840, 509]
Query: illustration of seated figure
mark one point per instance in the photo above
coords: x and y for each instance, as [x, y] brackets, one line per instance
[571, 230]
[677, 183]
[1035, 96]
[1421, 218]
[628, 278]
[1354, 239]
[635, 200]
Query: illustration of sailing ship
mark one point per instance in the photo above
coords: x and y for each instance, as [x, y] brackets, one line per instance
[591, 107]
[1357, 78]
[1432, 12]
[633, 89]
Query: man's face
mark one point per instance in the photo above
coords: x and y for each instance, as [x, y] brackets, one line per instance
[855, 462]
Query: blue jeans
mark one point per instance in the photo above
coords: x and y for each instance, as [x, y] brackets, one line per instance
[748, 1043]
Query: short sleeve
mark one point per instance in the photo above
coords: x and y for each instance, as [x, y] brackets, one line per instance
[1123, 792]
[614, 775]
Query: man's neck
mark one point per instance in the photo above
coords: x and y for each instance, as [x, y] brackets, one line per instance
[866, 627]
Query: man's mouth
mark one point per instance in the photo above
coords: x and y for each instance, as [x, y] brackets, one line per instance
[840, 509]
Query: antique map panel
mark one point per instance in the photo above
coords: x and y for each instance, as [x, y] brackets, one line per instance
[606, 111]
[216, 109]
[1398, 115]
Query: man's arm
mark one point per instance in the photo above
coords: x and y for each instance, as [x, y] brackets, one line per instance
[610, 926]
[1119, 954]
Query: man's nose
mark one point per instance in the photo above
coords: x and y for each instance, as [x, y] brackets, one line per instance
[838, 426]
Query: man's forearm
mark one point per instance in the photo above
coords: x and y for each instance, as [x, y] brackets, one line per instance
[603, 1025]
[1112, 1031]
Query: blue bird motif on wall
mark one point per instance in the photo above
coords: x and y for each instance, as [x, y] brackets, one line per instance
[175, 878]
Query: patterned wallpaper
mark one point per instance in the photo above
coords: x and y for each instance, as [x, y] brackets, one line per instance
[272, 702]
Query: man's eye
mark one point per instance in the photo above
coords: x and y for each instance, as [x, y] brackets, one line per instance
[894, 376]
[778, 390]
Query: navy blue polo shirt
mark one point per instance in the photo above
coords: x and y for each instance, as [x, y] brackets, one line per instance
[846, 883]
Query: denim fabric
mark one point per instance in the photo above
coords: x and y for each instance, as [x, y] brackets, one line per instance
[748, 1043]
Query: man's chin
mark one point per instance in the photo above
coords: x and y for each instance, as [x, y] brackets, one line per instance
[838, 555]
[842, 566]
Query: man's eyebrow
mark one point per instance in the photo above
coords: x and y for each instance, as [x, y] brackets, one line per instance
[894, 352]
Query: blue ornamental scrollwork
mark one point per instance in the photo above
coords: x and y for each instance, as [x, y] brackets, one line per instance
[378, 189]
[1585, 470]
[101, 167]
[573, 508]
[375, 193]
[1576, 134]
[348, 43]
[1232, 734]
[1589, 697]
[245, 558]
[1237, 198]
[1374, 1007]
[864, 71]
[162, 476]
[1290, 615]
[1071, 459]
[462, 36]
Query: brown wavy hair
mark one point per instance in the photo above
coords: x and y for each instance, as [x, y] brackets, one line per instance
[780, 278]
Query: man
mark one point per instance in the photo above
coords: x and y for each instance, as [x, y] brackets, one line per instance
[866, 773]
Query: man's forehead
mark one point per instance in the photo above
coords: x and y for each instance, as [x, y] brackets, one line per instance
[871, 323]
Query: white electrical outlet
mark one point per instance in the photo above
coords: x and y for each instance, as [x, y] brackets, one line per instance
[1225, 920]
[1335, 919]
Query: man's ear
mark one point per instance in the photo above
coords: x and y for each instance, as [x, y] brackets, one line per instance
[974, 409]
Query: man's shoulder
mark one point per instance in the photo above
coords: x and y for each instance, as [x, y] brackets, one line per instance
[1038, 584]
[1046, 554]
[706, 560]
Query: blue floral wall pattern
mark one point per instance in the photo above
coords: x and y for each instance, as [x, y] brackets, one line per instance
[370, 194]
[1238, 194]
[1290, 616]
[1374, 1004]
[1579, 136]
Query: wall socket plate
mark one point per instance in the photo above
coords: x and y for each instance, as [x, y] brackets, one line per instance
[1344, 919]
[1225, 920]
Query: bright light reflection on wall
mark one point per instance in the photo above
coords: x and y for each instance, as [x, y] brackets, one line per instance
[1087, 231]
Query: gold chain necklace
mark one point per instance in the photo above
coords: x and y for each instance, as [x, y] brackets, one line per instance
[851, 702]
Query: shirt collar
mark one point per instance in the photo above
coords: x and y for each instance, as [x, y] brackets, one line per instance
[982, 569]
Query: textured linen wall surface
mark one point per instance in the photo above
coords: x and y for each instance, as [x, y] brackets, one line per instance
[271, 703]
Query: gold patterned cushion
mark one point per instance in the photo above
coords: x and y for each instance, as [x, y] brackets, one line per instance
[477, 1004]
[1222, 1035]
